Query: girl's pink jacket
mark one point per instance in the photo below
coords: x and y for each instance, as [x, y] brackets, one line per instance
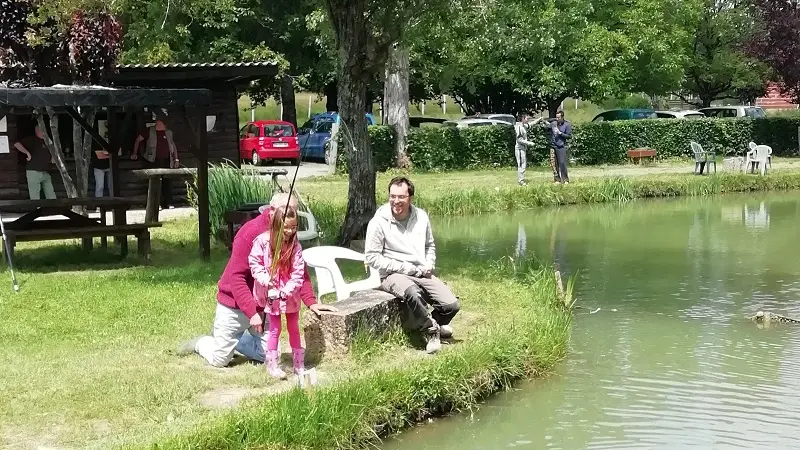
[260, 264]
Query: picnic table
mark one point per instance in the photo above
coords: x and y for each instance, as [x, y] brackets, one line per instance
[73, 225]
[154, 177]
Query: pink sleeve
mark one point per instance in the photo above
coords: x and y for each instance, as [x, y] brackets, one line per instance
[294, 283]
[259, 260]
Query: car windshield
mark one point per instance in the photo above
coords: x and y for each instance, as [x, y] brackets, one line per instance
[644, 115]
[278, 130]
[694, 116]
[754, 112]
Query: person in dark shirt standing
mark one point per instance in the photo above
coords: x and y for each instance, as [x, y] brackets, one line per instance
[38, 161]
[161, 153]
[102, 177]
[561, 130]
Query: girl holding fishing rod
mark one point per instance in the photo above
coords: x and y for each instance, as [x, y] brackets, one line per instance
[278, 268]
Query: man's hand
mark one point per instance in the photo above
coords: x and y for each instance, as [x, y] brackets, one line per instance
[27, 156]
[319, 307]
[134, 156]
[426, 271]
[257, 323]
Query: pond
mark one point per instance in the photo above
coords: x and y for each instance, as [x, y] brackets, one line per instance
[670, 359]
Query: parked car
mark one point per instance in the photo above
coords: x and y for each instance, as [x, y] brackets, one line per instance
[315, 134]
[688, 114]
[267, 140]
[473, 122]
[734, 111]
[625, 114]
[504, 117]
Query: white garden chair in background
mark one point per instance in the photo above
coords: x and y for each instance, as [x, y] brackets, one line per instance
[750, 162]
[759, 158]
[329, 277]
[703, 156]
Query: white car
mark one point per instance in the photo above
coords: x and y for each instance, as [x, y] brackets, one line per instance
[464, 123]
[734, 111]
[688, 114]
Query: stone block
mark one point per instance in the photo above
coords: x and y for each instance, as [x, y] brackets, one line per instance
[330, 334]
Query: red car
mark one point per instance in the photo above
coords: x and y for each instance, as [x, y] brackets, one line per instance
[265, 140]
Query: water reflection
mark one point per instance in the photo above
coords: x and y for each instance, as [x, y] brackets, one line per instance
[677, 365]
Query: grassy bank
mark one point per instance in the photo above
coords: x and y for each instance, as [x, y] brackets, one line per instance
[493, 191]
[88, 358]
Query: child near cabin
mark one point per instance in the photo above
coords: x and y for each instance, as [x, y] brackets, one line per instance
[279, 294]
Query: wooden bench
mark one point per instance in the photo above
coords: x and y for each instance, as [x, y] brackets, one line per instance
[36, 223]
[638, 155]
[45, 231]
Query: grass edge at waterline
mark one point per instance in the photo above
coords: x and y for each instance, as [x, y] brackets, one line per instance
[464, 200]
[527, 337]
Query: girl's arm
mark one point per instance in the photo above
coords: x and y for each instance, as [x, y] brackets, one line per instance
[295, 281]
[259, 260]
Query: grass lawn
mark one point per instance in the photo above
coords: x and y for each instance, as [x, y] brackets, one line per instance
[88, 354]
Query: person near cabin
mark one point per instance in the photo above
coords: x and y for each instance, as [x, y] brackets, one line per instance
[160, 151]
[38, 161]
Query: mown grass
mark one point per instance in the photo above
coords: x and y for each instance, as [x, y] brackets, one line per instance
[523, 333]
[88, 357]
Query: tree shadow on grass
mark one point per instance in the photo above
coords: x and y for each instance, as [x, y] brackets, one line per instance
[63, 256]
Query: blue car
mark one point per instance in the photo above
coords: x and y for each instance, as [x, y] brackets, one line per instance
[314, 135]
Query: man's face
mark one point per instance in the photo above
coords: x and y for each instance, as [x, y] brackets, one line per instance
[560, 118]
[38, 132]
[399, 200]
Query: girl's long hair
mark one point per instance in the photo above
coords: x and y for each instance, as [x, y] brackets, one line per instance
[286, 255]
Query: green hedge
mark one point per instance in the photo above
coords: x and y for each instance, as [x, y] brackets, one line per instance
[438, 149]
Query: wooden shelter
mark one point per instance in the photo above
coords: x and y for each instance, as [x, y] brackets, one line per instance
[224, 81]
[120, 105]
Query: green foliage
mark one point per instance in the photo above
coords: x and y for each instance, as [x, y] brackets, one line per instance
[228, 188]
[434, 149]
[382, 141]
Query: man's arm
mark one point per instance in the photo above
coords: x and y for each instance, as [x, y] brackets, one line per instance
[21, 148]
[135, 151]
[430, 248]
[567, 130]
[373, 254]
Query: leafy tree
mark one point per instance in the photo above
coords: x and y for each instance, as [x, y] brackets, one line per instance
[718, 65]
[60, 41]
[775, 41]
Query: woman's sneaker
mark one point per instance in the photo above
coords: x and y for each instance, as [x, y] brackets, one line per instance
[434, 343]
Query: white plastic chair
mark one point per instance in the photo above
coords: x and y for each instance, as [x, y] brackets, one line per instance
[751, 155]
[311, 232]
[703, 157]
[760, 157]
[329, 278]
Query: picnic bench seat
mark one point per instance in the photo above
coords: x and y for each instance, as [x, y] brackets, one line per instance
[41, 222]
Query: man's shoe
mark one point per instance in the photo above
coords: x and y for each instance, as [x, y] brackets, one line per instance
[523, 183]
[434, 343]
[445, 331]
[188, 347]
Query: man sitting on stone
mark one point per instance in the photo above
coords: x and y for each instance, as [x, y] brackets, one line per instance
[239, 322]
[399, 244]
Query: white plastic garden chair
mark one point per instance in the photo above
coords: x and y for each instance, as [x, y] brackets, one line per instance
[703, 156]
[760, 157]
[751, 155]
[329, 278]
[309, 234]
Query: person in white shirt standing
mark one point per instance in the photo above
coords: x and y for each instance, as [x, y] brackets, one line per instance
[400, 245]
[521, 147]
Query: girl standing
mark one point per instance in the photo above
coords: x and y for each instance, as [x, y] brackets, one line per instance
[278, 269]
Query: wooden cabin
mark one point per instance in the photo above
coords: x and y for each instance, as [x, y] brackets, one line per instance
[224, 80]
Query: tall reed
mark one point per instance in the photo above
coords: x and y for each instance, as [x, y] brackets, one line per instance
[228, 188]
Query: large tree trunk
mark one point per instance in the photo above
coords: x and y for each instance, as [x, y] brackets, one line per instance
[288, 101]
[554, 104]
[331, 96]
[53, 141]
[351, 33]
[395, 102]
[82, 143]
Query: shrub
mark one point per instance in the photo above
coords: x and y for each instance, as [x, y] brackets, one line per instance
[382, 142]
[437, 149]
[228, 188]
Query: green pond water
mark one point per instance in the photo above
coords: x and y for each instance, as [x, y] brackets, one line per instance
[670, 360]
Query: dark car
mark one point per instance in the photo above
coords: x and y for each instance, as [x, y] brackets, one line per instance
[625, 114]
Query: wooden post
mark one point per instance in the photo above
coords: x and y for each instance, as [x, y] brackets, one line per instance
[204, 224]
[114, 143]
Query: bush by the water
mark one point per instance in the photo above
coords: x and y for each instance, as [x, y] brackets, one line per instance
[440, 149]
